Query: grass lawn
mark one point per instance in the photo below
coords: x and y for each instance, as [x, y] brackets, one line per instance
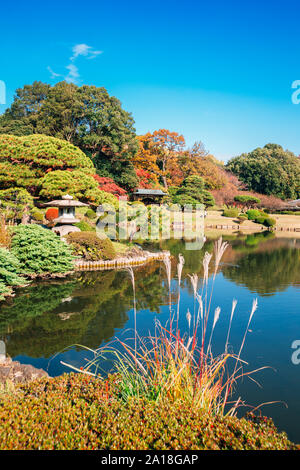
[215, 217]
[284, 220]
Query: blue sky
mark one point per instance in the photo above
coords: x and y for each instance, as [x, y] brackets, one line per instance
[220, 72]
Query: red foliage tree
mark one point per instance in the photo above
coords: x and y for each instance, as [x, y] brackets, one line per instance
[146, 180]
[109, 186]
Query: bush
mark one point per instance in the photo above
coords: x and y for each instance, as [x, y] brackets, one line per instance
[10, 269]
[51, 214]
[289, 212]
[37, 215]
[109, 186]
[233, 212]
[90, 246]
[90, 214]
[265, 219]
[260, 220]
[247, 200]
[40, 250]
[86, 413]
[270, 222]
[185, 199]
[253, 214]
[85, 226]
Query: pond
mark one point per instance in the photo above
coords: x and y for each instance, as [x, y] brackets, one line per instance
[92, 308]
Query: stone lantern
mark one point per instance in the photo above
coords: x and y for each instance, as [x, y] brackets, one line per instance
[66, 214]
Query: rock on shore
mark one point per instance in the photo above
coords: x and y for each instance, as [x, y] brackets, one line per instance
[19, 373]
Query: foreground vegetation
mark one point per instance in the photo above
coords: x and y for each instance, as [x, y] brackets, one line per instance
[79, 412]
[164, 392]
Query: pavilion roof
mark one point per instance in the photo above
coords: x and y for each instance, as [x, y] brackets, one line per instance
[149, 192]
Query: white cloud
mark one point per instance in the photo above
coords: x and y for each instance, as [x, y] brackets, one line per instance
[53, 74]
[84, 50]
[78, 50]
[73, 74]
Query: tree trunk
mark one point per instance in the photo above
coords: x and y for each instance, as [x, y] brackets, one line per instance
[25, 216]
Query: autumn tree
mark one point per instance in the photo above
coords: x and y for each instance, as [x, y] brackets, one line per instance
[145, 159]
[157, 154]
[109, 186]
[146, 179]
[167, 145]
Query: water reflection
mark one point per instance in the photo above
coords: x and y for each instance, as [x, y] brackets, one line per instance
[92, 308]
[88, 308]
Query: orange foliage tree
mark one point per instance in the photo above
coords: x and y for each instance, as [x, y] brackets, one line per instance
[167, 146]
[146, 158]
[164, 156]
[156, 152]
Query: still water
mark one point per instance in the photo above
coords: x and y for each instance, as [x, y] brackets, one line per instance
[92, 308]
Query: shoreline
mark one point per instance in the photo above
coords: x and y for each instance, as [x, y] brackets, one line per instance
[122, 262]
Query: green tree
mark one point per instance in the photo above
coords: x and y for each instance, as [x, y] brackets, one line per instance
[247, 201]
[22, 117]
[85, 116]
[25, 160]
[78, 184]
[269, 170]
[193, 191]
[16, 204]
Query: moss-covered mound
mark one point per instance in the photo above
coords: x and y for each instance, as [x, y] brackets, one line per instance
[78, 412]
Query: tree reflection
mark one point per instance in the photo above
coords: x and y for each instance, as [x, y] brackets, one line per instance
[88, 308]
[266, 268]
[45, 318]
